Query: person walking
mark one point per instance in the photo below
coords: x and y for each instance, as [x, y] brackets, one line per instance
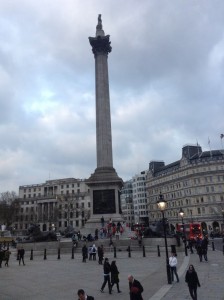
[82, 295]
[199, 248]
[84, 253]
[136, 289]
[173, 266]
[106, 270]
[191, 278]
[114, 276]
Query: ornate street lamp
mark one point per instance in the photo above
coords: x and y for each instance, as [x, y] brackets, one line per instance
[162, 204]
[181, 213]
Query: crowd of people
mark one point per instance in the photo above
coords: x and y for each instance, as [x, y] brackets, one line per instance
[111, 272]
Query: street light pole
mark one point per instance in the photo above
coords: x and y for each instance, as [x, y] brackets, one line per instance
[181, 213]
[222, 220]
[162, 206]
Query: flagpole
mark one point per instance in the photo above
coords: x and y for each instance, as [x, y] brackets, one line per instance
[221, 137]
[210, 147]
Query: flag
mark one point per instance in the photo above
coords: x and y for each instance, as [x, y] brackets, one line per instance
[221, 135]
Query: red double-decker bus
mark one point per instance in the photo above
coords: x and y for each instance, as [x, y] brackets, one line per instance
[192, 231]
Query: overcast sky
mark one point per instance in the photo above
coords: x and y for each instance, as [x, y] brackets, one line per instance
[166, 73]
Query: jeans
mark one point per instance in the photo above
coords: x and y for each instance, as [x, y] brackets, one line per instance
[106, 280]
[174, 271]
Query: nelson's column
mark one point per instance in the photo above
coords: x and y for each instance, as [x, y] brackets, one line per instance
[104, 183]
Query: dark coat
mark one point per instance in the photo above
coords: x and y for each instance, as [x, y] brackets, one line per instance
[114, 274]
[84, 251]
[192, 279]
[89, 298]
[136, 290]
[106, 268]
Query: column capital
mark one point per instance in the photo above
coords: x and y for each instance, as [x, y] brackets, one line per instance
[100, 44]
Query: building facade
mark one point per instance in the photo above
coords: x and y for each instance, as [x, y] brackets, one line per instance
[140, 198]
[195, 184]
[54, 205]
[127, 203]
[134, 200]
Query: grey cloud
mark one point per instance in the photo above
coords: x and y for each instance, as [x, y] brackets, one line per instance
[165, 71]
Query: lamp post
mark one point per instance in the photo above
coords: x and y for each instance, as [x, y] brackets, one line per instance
[223, 220]
[162, 206]
[181, 213]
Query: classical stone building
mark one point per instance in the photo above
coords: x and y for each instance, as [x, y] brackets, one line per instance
[194, 183]
[55, 204]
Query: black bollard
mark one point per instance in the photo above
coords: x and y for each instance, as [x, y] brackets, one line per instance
[173, 249]
[31, 254]
[129, 251]
[158, 250]
[213, 246]
[143, 249]
[59, 253]
[73, 252]
[115, 252]
[45, 253]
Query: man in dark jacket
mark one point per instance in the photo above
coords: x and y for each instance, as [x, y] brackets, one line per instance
[82, 295]
[136, 288]
[106, 270]
[21, 253]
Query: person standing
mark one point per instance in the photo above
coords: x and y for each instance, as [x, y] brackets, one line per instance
[100, 252]
[191, 278]
[114, 275]
[84, 253]
[21, 253]
[1, 256]
[82, 295]
[102, 221]
[93, 251]
[136, 289]
[106, 270]
[173, 266]
[7, 256]
[204, 246]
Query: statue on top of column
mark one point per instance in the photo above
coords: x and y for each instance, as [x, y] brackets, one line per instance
[99, 25]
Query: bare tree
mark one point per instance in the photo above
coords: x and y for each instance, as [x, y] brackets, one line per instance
[8, 197]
